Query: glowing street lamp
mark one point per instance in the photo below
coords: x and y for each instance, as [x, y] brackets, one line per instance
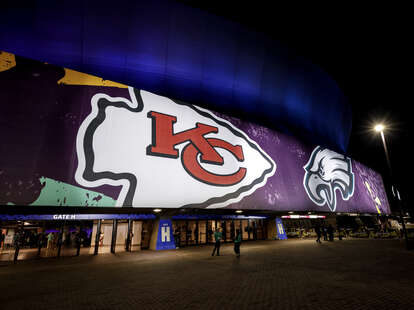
[380, 128]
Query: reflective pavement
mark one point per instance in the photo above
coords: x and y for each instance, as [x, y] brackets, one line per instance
[292, 274]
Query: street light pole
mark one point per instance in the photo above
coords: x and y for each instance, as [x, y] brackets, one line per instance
[381, 128]
[386, 154]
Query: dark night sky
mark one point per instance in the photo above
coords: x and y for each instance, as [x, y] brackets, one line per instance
[365, 49]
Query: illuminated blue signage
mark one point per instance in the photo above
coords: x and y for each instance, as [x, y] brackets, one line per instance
[66, 217]
[165, 238]
[281, 233]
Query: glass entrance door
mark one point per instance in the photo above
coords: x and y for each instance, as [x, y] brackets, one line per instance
[202, 232]
[146, 234]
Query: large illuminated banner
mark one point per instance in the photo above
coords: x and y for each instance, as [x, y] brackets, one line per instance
[167, 153]
[71, 139]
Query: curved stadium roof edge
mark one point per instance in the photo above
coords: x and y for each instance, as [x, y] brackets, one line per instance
[187, 54]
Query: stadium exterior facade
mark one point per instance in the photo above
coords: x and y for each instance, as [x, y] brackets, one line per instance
[170, 150]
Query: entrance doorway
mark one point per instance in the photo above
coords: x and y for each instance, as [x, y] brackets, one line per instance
[199, 232]
[56, 235]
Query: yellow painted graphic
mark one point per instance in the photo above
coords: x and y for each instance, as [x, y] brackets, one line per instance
[73, 77]
[7, 61]
[376, 199]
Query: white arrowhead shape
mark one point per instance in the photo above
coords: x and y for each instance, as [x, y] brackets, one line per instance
[111, 149]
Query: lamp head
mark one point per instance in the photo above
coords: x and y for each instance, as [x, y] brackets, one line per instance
[379, 128]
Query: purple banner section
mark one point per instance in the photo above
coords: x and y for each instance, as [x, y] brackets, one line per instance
[57, 138]
[285, 189]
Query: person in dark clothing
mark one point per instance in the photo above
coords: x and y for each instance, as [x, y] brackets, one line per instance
[325, 233]
[177, 237]
[128, 242]
[330, 232]
[78, 242]
[237, 242]
[217, 237]
[2, 237]
[196, 236]
[318, 233]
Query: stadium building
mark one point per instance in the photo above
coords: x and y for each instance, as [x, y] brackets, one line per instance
[149, 126]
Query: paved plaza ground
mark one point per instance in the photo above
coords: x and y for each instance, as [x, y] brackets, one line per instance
[292, 274]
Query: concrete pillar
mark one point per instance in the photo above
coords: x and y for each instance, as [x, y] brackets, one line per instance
[96, 231]
[154, 235]
[113, 237]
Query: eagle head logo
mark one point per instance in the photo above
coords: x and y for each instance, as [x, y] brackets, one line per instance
[326, 172]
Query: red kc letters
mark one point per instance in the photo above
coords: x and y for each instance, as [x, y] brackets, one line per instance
[164, 141]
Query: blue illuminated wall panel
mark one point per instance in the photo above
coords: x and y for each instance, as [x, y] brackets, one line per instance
[187, 54]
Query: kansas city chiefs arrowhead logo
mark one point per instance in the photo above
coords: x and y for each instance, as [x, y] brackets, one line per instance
[165, 153]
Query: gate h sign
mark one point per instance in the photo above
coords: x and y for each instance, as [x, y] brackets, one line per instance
[165, 238]
[281, 233]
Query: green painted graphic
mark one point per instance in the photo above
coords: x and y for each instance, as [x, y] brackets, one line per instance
[56, 193]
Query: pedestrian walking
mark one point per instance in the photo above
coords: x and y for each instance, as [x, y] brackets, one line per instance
[78, 242]
[17, 241]
[237, 242]
[2, 237]
[50, 239]
[128, 242]
[318, 233]
[177, 237]
[331, 232]
[325, 233]
[101, 238]
[217, 237]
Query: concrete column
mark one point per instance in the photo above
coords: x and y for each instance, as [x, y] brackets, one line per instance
[113, 239]
[97, 236]
[60, 239]
[154, 235]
